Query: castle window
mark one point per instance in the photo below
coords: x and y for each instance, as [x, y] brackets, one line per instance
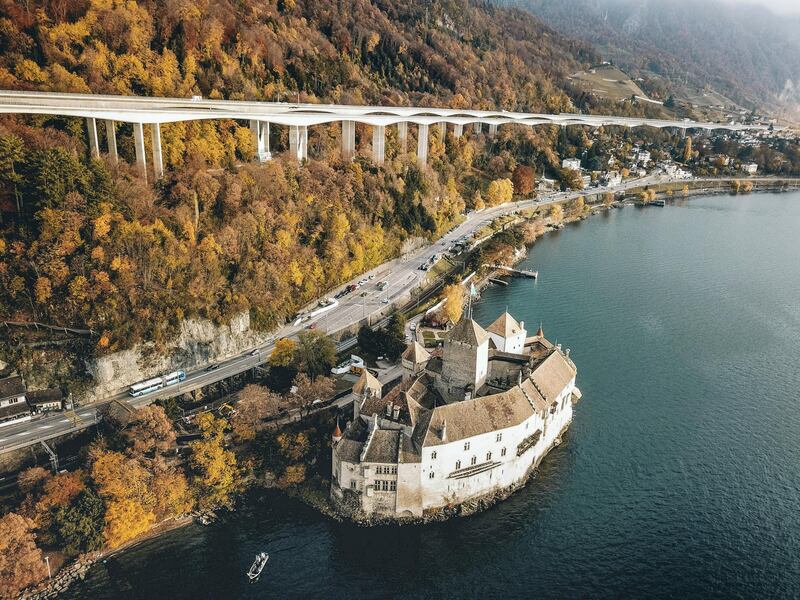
[503, 452]
[466, 445]
[430, 475]
[474, 460]
[352, 484]
[499, 437]
[458, 465]
[394, 470]
[384, 486]
[433, 455]
[488, 456]
[392, 486]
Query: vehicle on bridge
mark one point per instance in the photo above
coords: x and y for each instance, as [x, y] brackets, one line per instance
[156, 383]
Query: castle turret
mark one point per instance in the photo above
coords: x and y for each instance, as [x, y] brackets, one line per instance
[540, 331]
[337, 433]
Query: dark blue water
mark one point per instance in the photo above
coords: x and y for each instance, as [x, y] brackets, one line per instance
[680, 477]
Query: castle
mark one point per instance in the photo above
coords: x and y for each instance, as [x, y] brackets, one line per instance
[471, 419]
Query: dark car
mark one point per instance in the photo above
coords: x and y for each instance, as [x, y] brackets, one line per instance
[212, 367]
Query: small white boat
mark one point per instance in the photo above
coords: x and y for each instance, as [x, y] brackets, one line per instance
[258, 566]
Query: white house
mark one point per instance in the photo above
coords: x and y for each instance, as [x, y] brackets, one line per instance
[573, 164]
[475, 421]
[750, 168]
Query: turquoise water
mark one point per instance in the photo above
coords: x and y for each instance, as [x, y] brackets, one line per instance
[680, 476]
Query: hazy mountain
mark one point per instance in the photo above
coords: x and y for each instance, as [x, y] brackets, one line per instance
[745, 52]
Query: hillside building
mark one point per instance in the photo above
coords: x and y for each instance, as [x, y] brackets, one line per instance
[466, 424]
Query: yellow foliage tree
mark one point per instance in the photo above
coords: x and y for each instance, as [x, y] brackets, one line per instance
[499, 192]
[215, 467]
[453, 306]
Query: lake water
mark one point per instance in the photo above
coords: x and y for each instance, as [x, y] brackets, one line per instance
[679, 478]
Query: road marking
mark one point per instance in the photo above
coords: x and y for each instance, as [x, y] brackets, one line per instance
[44, 426]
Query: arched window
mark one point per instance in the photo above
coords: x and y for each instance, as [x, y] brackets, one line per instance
[474, 460]
[458, 465]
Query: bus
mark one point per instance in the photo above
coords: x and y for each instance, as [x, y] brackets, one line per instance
[156, 383]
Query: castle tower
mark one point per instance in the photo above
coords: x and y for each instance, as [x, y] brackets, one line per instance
[465, 361]
[507, 334]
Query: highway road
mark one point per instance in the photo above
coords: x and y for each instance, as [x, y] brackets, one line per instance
[402, 274]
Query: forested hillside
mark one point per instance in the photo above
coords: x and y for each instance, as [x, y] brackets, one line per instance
[744, 52]
[87, 243]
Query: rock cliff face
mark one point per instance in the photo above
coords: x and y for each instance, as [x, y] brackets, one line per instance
[199, 343]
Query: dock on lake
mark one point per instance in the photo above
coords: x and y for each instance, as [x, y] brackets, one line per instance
[515, 272]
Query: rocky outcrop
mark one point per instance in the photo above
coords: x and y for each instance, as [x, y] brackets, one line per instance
[200, 342]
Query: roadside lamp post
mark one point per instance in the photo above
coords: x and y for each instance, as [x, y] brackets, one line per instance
[47, 562]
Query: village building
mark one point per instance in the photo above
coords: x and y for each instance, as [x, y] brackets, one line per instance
[573, 164]
[13, 408]
[469, 423]
[750, 168]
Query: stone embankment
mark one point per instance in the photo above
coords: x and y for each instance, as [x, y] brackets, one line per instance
[62, 580]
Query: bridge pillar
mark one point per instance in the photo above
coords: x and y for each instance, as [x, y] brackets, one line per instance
[138, 143]
[94, 147]
[402, 136]
[260, 131]
[158, 163]
[458, 130]
[492, 129]
[298, 142]
[111, 135]
[378, 144]
[422, 144]
[477, 127]
[348, 139]
[443, 130]
[683, 133]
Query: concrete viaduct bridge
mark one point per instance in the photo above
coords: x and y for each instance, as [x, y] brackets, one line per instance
[141, 111]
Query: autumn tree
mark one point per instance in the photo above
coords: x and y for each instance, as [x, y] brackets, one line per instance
[306, 391]
[125, 486]
[150, 432]
[500, 191]
[21, 561]
[523, 180]
[687, 149]
[453, 307]
[556, 213]
[256, 403]
[215, 467]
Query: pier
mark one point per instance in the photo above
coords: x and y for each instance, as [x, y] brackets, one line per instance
[515, 272]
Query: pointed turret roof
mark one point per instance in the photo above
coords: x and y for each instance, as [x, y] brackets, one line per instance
[505, 326]
[540, 331]
[469, 332]
[416, 353]
[337, 433]
[366, 382]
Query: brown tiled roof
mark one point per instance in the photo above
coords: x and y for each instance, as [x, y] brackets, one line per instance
[415, 353]
[11, 387]
[383, 446]
[44, 396]
[473, 417]
[14, 410]
[505, 326]
[469, 332]
[349, 450]
[367, 381]
[552, 374]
